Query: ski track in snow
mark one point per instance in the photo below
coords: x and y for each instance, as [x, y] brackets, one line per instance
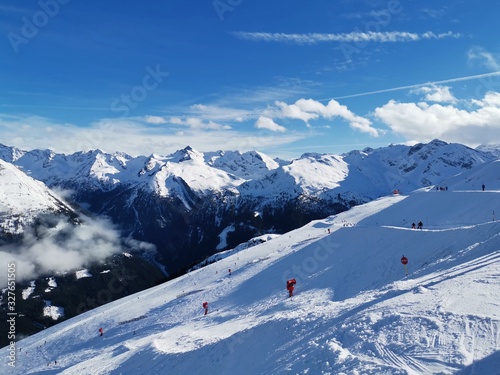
[354, 311]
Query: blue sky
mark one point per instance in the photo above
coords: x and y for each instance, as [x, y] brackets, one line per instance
[281, 77]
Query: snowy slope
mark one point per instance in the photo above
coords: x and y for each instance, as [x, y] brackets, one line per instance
[493, 149]
[409, 168]
[22, 199]
[354, 311]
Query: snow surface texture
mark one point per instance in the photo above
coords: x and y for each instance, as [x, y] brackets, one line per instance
[353, 312]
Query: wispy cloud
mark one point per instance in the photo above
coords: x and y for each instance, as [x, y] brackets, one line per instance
[371, 14]
[138, 137]
[485, 58]
[219, 113]
[370, 36]
[433, 13]
[197, 123]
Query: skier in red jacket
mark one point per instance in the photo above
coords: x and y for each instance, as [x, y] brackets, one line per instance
[205, 306]
[290, 286]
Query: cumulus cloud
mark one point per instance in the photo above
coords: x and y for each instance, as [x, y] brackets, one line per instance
[309, 109]
[291, 111]
[423, 122]
[491, 99]
[353, 37]
[435, 93]
[267, 123]
[59, 246]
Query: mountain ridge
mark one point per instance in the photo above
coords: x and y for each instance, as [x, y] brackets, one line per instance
[184, 202]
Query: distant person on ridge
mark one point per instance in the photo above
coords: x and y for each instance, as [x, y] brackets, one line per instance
[413, 226]
[290, 287]
[420, 225]
[483, 187]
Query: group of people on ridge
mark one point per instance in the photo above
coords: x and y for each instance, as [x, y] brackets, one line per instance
[418, 226]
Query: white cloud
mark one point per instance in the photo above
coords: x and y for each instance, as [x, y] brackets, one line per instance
[218, 113]
[491, 99]
[267, 123]
[423, 122]
[292, 111]
[309, 109]
[156, 120]
[133, 137]
[435, 93]
[433, 13]
[353, 37]
[335, 109]
[197, 123]
[59, 246]
[485, 58]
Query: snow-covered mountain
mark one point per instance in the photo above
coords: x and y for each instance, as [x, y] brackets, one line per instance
[23, 199]
[192, 204]
[354, 311]
[47, 240]
[492, 149]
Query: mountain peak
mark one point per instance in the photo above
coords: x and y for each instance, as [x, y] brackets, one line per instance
[438, 143]
[185, 154]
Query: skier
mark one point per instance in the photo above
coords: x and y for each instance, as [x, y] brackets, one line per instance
[412, 225]
[420, 225]
[483, 187]
[229, 270]
[205, 306]
[101, 332]
[290, 287]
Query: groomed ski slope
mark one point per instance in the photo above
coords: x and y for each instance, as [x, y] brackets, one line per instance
[354, 311]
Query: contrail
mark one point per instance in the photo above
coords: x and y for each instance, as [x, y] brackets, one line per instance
[451, 80]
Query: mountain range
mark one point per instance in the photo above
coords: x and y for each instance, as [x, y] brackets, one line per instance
[356, 308]
[191, 204]
[173, 212]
